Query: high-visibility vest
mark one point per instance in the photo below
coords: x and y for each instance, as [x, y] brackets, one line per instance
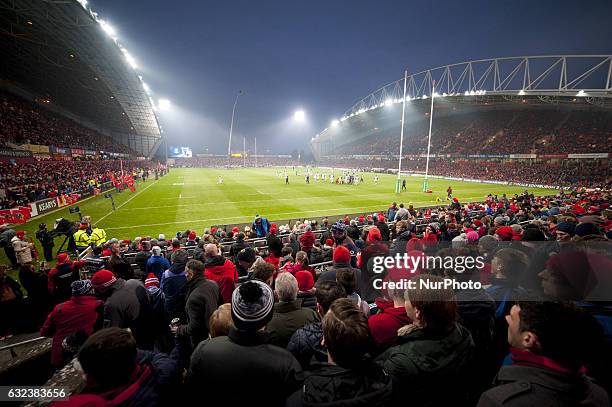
[81, 238]
[97, 237]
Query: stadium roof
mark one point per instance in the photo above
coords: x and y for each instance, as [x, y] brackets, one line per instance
[65, 53]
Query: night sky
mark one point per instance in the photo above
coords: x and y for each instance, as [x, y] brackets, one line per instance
[322, 56]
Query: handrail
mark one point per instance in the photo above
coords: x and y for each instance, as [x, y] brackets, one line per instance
[14, 345]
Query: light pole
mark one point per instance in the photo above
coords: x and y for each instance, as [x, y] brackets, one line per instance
[399, 167]
[255, 152]
[229, 144]
[244, 152]
[433, 94]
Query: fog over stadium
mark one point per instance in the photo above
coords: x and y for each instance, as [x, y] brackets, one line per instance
[323, 56]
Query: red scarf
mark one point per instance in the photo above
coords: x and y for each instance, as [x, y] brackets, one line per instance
[522, 357]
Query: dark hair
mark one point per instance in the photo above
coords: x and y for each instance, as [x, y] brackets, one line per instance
[327, 292]
[97, 250]
[263, 272]
[196, 266]
[514, 264]
[346, 278]
[240, 236]
[437, 306]
[346, 333]
[550, 321]
[286, 250]
[109, 356]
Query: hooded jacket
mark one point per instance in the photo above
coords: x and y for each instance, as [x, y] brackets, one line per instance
[223, 272]
[173, 285]
[157, 265]
[22, 251]
[305, 344]
[202, 299]
[76, 314]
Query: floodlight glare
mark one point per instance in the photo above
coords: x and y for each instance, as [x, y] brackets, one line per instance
[581, 93]
[388, 102]
[108, 28]
[299, 116]
[335, 122]
[521, 92]
[164, 104]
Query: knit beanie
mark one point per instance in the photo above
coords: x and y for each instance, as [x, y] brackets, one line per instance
[504, 233]
[341, 255]
[103, 279]
[305, 280]
[81, 287]
[532, 235]
[252, 305]
[151, 281]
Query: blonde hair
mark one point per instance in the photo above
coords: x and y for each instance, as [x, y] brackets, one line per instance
[221, 321]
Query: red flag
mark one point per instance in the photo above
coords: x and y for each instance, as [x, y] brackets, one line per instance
[26, 211]
[17, 217]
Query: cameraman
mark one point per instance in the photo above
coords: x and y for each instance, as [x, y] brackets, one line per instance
[46, 241]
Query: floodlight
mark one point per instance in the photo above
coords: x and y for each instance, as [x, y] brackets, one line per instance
[299, 116]
[335, 122]
[164, 104]
[388, 102]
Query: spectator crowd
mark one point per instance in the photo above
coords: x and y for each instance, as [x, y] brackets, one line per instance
[222, 317]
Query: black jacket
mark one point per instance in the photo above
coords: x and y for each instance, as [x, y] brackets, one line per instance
[422, 361]
[305, 344]
[335, 386]
[275, 245]
[384, 230]
[243, 369]
[202, 300]
[399, 244]
[141, 259]
[530, 386]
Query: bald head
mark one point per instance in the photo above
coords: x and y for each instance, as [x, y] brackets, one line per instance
[211, 250]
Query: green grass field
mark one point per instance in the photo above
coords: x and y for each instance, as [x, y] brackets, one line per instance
[191, 199]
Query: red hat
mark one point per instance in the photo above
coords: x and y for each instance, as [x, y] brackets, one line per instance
[192, 235]
[235, 229]
[213, 230]
[103, 279]
[346, 220]
[374, 235]
[20, 234]
[329, 242]
[381, 217]
[125, 241]
[360, 219]
[477, 222]
[414, 244]
[151, 281]
[273, 228]
[504, 233]
[63, 258]
[341, 255]
[305, 280]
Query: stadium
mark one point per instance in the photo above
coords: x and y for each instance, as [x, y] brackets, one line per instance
[140, 268]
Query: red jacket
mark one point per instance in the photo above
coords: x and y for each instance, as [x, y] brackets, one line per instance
[222, 271]
[60, 277]
[384, 326]
[76, 314]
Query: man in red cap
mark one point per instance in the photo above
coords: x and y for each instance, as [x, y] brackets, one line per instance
[61, 277]
[504, 233]
[380, 223]
[341, 258]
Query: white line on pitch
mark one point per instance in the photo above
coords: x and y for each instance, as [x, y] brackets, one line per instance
[123, 204]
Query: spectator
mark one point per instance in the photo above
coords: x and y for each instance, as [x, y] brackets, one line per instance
[6, 236]
[126, 305]
[23, 249]
[11, 304]
[275, 246]
[306, 289]
[433, 349]
[547, 358]
[341, 259]
[306, 343]
[244, 356]
[349, 377]
[307, 240]
[289, 316]
[261, 226]
[389, 320]
[142, 257]
[237, 246]
[35, 283]
[347, 279]
[341, 239]
[80, 313]
[157, 263]
[61, 277]
[219, 269]
[221, 321]
[117, 373]
[173, 285]
[202, 300]
[263, 272]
